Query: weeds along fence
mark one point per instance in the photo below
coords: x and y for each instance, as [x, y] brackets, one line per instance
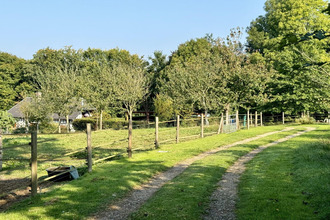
[82, 150]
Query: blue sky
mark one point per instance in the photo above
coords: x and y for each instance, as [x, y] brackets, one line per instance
[139, 26]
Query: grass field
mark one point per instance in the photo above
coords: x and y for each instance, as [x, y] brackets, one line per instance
[290, 180]
[112, 180]
[105, 143]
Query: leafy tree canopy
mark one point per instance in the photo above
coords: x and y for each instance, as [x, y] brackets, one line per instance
[15, 82]
[291, 36]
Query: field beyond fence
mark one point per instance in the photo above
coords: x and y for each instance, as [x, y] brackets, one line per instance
[54, 150]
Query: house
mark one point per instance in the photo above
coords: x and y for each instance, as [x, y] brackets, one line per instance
[17, 113]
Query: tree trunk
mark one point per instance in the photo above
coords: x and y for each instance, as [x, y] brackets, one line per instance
[97, 123]
[101, 119]
[129, 149]
[26, 126]
[59, 124]
[248, 119]
[207, 123]
[220, 129]
[256, 119]
[237, 121]
[67, 124]
[227, 114]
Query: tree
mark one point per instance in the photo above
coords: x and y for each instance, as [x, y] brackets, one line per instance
[190, 77]
[131, 87]
[14, 80]
[99, 78]
[154, 74]
[98, 81]
[57, 74]
[299, 85]
[36, 110]
[6, 120]
[163, 107]
[210, 74]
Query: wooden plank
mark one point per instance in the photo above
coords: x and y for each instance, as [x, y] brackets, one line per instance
[197, 135]
[105, 158]
[167, 141]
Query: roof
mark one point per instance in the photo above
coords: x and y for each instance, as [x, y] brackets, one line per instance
[17, 112]
[73, 116]
[16, 109]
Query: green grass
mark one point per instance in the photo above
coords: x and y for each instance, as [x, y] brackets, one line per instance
[290, 180]
[112, 180]
[187, 196]
[105, 143]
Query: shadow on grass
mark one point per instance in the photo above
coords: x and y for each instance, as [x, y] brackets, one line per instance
[84, 196]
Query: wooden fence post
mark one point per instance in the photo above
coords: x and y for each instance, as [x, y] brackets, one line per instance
[130, 127]
[177, 128]
[251, 119]
[283, 117]
[261, 119]
[248, 119]
[237, 120]
[256, 119]
[227, 116]
[1, 154]
[34, 175]
[156, 133]
[202, 125]
[220, 129]
[89, 147]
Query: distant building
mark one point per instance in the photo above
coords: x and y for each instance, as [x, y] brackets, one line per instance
[17, 113]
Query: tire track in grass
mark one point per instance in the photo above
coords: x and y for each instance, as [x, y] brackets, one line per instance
[126, 206]
[223, 200]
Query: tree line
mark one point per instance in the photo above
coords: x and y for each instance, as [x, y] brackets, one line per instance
[284, 67]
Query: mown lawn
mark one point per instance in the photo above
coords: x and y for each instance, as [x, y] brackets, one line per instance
[112, 180]
[290, 180]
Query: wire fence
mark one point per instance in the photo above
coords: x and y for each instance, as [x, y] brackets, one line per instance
[71, 149]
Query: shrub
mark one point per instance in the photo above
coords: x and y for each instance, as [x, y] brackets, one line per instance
[305, 120]
[19, 130]
[80, 124]
[48, 127]
[164, 107]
